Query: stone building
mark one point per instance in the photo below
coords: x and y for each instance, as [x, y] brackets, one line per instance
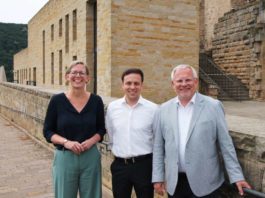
[110, 36]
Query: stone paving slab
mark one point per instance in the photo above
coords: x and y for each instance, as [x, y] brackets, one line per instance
[25, 166]
[247, 117]
[246, 109]
[244, 125]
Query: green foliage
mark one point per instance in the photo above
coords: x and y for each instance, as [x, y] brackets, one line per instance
[13, 38]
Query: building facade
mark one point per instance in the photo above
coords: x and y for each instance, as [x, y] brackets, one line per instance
[110, 36]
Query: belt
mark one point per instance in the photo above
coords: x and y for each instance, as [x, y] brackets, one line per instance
[132, 160]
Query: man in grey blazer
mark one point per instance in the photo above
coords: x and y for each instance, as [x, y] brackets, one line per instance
[190, 131]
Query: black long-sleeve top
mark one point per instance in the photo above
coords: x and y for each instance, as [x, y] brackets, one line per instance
[63, 119]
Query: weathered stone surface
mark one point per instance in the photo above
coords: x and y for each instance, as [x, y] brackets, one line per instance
[238, 47]
[210, 12]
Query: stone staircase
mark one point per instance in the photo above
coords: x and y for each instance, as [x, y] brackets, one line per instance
[229, 87]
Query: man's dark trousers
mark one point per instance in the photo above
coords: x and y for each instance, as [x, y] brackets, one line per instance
[132, 173]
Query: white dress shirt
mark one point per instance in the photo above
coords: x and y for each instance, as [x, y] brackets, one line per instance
[130, 129]
[184, 118]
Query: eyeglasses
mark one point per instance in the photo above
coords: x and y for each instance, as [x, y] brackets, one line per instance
[75, 73]
[186, 81]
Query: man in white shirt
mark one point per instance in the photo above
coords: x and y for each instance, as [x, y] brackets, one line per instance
[129, 123]
[190, 131]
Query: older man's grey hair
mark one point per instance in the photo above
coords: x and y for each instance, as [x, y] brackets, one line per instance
[183, 66]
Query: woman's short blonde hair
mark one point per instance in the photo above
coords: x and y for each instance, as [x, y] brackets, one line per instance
[74, 63]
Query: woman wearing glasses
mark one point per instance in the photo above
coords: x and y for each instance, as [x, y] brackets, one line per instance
[74, 123]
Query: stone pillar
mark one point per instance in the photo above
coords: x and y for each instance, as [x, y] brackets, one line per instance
[2, 74]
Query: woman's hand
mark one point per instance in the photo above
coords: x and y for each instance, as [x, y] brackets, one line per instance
[74, 146]
[87, 144]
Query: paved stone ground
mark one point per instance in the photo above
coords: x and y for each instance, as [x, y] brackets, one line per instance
[247, 109]
[246, 117]
[25, 166]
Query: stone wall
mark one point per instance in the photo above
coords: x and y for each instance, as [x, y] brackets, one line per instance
[26, 107]
[239, 3]
[154, 36]
[238, 37]
[251, 154]
[210, 11]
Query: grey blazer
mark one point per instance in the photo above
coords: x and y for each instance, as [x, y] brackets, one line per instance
[208, 134]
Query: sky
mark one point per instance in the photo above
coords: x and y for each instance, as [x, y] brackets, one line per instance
[19, 11]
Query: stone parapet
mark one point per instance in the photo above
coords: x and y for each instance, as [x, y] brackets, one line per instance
[26, 106]
[249, 138]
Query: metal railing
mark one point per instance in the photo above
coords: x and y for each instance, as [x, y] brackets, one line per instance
[230, 85]
[254, 193]
[206, 80]
[247, 191]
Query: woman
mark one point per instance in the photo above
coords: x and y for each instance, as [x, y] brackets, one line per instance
[74, 123]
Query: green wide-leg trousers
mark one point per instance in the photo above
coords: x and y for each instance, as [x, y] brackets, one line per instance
[73, 173]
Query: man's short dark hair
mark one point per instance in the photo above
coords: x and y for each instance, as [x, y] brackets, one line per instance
[132, 71]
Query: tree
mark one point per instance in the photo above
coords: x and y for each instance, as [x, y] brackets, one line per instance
[13, 38]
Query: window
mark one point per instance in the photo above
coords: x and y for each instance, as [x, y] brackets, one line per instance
[52, 32]
[18, 76]
[34, 74]
[74, 25]
[52, 68]
[60, 27]
[29, 74]
[60, 67]
[43, 57]
[67, 33]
